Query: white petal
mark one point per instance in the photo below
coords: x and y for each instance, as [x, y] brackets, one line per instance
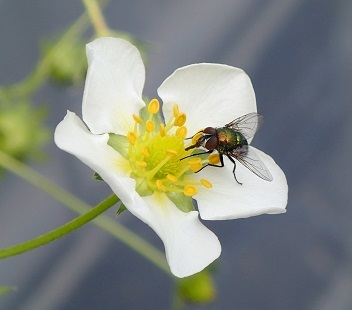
[189, 245]
[114, 84]
[72, 136]
[210, 94]
[229, 200]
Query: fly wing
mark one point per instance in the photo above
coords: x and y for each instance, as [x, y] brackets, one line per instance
[247, 124]
[251, 161]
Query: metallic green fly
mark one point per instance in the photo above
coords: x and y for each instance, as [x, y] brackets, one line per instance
[231, 141]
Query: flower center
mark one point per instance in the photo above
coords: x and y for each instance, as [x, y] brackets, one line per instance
[156, 151]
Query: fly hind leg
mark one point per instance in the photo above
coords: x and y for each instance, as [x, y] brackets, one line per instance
[234, 168]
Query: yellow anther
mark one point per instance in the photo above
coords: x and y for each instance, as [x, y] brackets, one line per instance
[145, 152]
[132, 138]
[195, 167]
[162, 130]
[171, 153]
[176, 111]
[194, 160]
[214, 159]
[153, 106]
[206, 183]
[196, 137]
[190, 190]
[180, 119]
[137, 119]
[181, 132]
[141, 164]
[149, 126]
[159, 184]
[171, 178]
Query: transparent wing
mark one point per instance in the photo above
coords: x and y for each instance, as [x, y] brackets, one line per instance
[247, 124]
[251, 161]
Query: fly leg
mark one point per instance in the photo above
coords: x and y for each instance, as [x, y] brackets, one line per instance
[234, 168]
[207, 152]
[212, 165]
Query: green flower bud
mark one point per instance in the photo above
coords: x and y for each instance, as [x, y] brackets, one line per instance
[67, 64]
[197, 289]
[21, 129]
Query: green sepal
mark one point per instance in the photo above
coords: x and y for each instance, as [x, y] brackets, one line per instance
[121, 208]
[119, 143]
[142, 187]
[197, 289]
[96, 176]
[181, 201]
[6, 289]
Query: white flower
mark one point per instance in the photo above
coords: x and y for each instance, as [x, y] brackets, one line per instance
[139, 157]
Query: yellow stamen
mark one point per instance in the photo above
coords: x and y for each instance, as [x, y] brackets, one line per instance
[206, 183]
[159, 184]
[171, 153]
[149, 126]
[176, 110]
[190, 190]
[194, 160]
[171, 178]
[145, 152]
[162, 130]
[195, 167]
[131, 138]
[181, 132]
[153, 106]
[214, 159]
[137, 119]
[180, 120]
[196, 137]
[141, 164]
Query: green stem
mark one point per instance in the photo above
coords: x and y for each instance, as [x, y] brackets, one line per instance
[96, 17]
[78, 206]
[34, 80]
[60, 231]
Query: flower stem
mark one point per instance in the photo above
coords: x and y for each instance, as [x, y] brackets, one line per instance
[96, 17]
[60, 231]
[78, 206]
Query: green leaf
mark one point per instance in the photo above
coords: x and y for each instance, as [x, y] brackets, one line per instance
[181, 201]
[119, 143]
[6, 289]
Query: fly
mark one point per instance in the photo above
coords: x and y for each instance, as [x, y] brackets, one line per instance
[231, 141]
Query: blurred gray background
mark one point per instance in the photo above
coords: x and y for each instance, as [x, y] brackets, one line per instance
[298, 54]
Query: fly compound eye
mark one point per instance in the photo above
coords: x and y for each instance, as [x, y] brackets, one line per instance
[212, 143]
[210, 131]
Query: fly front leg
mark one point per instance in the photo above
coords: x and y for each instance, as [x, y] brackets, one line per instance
[207, 152]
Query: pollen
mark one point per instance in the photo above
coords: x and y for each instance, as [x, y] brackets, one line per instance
[131, 138]
[180, 119]
[171, 153]
[176, 110]
[149, 126]
[137, 119]
[145, 152]
[206, 183]
[181, 132]
[153, 106]
[190, 190]
[214, 159]
[142, 164]
[171, 178]
[159, 184]
[162, 130]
